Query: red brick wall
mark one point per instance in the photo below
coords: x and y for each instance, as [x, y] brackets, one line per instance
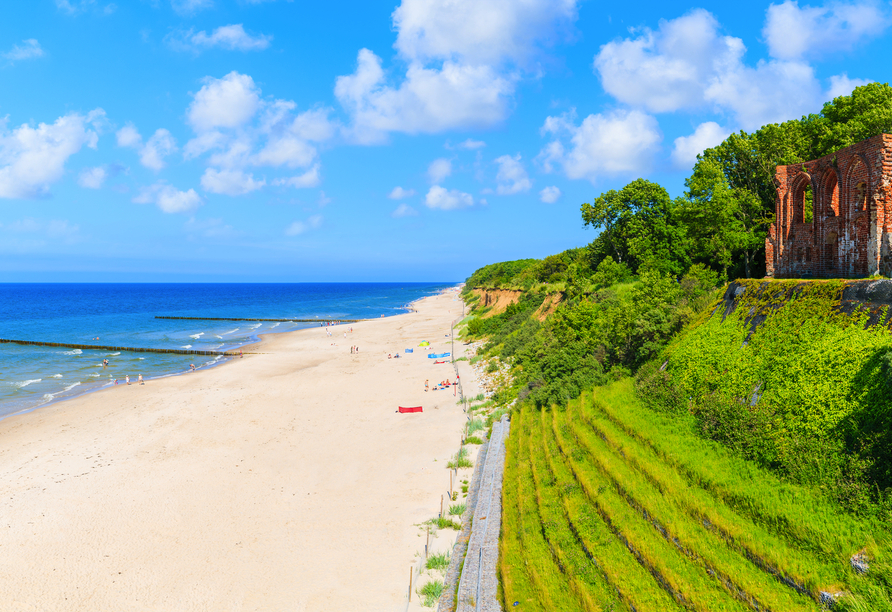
[850, 234]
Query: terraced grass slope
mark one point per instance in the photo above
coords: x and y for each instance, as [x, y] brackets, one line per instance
[608, 505]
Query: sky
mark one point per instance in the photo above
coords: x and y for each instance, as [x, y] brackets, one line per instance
[277, 141]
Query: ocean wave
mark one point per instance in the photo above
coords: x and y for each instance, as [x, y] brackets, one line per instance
[274, 325]
[216, 336]
[231, 332]
[196, 336]
[114, 354]
[47, 397]
[74, 352]
[142, 357]
[57, 376]
[255, 326]
[188, 346]
[95, 374]
[70, 387]
[25, 383]
[213, 348]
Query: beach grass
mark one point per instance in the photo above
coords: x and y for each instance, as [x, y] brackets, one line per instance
[457, 509]
[460, 460]
[437, 561]
[473, 440]
[430, 593]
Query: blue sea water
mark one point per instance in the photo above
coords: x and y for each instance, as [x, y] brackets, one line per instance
[124, 315]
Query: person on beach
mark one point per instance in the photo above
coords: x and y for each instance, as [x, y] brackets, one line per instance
[127, 378]
[140, 380]
[425, 386]
[192, 366]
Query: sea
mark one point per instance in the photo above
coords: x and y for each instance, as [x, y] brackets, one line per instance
[125, 315]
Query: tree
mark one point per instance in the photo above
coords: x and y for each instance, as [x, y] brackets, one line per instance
[639, 227]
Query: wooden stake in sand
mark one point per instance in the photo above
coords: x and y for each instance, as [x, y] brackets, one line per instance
[450, 484]
[410, 583]
[441, 507]
[427, 543]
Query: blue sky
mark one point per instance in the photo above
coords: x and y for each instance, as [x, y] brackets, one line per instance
[250, 140]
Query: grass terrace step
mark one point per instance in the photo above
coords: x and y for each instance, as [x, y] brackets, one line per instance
[685, 579]
[586, 580]
[634, 584]
[791, 565]
[739, 576]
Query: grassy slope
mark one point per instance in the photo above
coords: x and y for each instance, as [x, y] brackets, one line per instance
[610, 506]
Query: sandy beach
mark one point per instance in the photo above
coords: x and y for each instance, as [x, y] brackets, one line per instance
[281, 481]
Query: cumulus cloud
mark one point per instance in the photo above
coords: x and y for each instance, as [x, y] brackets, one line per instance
[229, 182]
[230, 37]
[439, 170]
[190, 7]
[28, 49]
[403, 210]
[550, 195]
[686, 64]
[608, 144]
[32, 158]
[168, 198]
[470, 144]
[92, 178]
[440, 198]
[241, 129]
[705, 136]
[398, 193]
[793, 32]
[224, 103]
[480, 31]
[842, 85]
[310, 178]
[152, 153]
[429, 100]
[512, 176]
[301, 227]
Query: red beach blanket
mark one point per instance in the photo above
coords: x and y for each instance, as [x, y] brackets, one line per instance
[436, 362]
[403, 409]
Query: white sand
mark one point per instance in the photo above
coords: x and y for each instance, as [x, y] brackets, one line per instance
[281, 481]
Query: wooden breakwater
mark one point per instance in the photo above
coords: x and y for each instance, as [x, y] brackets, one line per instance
[95, 347]
[270, 320]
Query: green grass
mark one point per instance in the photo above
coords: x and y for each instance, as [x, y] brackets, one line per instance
[437, 561]
[473, 440]
[608, 505]
[460, 460]
[475, 425]
[430, 593]
[457, 509]
[444, 523]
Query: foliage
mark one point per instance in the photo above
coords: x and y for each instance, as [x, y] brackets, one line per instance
[437, 561]
[460, 460]
[431, 592]
[499, 274]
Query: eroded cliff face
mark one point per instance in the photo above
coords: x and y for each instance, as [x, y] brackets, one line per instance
[498, 299]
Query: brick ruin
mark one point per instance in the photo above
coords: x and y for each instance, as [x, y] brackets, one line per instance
[846, 232]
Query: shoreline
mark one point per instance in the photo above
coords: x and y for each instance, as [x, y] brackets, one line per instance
[254, 341]
[182, 485]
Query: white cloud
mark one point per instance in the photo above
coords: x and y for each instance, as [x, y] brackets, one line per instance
[231, 37]
[470, 144]
[550, 195]
[31, 159]
[793, 32]
[439, 170]
[480, 31]
[429, 100]
[310, 178]
[443, 199]
[687, 64]
[300, 227]
[687, 148]
[609, 144]
[168, 198]
[29, 49]
[668, 69]
[403, 210]
[842, 85]
[398, 193]
[152, 153]
[512, 176]
[228, 102]
[229, 182]
[92, 178]
[190, 7]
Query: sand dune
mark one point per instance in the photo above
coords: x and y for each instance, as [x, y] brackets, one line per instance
[281, 481]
